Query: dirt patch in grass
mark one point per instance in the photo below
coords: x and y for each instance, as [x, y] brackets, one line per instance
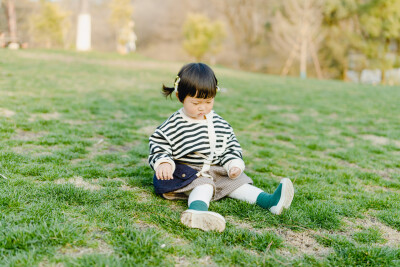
[6, 113]
[385, 174]
[119, 180]
[102, 248]
[286, 143]
[27, 136]
[291, 117]
[312, 112]
[278, 108]
[241, 224]
[44, 116]
[143, 225]
[75, 122]
[18, 93]
[391, 235]
[303, 242]
[123, 148]
[118, 115]
[147, 130]
[333, 116]
[45, 263]
[143, 196]
[79, 182]
[182, 261]
[377, 189]
[379, 140]
[127, 188]
[34, 150]
[103, 147]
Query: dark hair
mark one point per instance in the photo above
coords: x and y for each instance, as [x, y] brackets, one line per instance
[196, 80]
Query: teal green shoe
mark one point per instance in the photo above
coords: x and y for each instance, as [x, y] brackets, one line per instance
[286, 196]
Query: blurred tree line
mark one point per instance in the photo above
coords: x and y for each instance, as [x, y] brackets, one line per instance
[323, 37]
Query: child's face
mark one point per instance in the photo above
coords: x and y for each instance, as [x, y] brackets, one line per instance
[197, 108]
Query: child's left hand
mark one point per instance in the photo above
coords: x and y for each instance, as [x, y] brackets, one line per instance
[234, 172]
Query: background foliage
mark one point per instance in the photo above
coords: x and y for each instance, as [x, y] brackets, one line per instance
[202, 36]
[49, 25]
[355, 34]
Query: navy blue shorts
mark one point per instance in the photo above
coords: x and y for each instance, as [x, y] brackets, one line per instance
[183, 175]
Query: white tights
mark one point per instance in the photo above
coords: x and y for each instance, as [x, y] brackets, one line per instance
[246, 192]
[202, 192]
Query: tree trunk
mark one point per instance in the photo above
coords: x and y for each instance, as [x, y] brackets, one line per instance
[383, 79]
[303, 58]
[289, 61]
[315, 60]
[12, 20]
[344, 71]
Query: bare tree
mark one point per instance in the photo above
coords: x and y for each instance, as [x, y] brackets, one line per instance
[296, 31]
[11, 19]
[246, 19]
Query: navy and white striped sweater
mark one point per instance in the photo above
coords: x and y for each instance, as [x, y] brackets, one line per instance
[185, 140]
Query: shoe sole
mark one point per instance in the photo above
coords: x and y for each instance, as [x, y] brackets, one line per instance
[204, 220]
[286, 198]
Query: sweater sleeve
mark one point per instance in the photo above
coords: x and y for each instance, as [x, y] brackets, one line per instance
[232, 156]
[160, 150]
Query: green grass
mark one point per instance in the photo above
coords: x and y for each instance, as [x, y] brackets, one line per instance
[74, 134]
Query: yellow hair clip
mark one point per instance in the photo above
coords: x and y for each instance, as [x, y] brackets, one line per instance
[177, 80]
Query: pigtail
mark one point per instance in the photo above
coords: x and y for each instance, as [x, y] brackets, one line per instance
[167, 91]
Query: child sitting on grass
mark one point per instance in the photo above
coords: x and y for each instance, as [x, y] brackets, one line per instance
[196, 156]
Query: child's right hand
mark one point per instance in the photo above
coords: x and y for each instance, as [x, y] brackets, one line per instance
[164, 171]
[234, 172]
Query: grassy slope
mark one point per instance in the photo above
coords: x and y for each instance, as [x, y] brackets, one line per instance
[73, 144]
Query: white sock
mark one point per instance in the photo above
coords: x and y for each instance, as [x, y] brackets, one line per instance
[246, 192]
[202, 192]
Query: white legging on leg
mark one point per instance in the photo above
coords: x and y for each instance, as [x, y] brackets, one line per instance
[202, 192]
[246, 192]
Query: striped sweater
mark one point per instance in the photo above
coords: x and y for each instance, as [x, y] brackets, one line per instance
[185, 140]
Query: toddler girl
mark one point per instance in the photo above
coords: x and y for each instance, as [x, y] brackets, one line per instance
[196, 156]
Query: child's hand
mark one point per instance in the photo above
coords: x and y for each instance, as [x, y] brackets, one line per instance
[234, 172]
[164, 171]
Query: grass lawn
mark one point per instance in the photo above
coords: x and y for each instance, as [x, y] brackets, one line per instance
[74, 134]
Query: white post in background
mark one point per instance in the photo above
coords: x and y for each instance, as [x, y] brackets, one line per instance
[83, 40]
[84, 28]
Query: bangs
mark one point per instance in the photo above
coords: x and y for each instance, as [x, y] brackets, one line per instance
[205, 93]
[202, 92]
